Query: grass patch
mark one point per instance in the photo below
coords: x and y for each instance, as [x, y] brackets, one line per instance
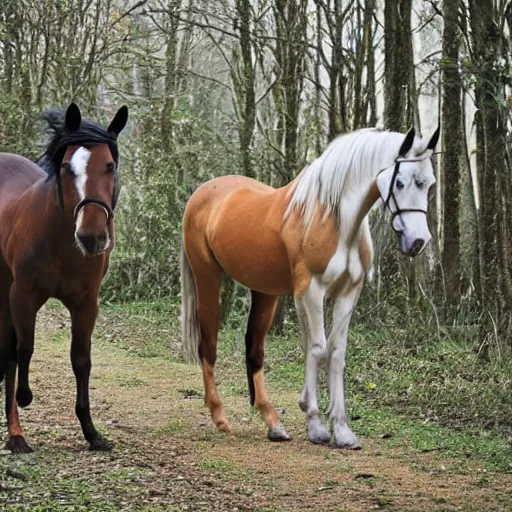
[173, 427]
[132, 382]
[466, 445]
[216, 465]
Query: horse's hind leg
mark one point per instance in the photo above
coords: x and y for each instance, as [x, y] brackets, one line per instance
[208, 283]
[262, 312]
[16, 443]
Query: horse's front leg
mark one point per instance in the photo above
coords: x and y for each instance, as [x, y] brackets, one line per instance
[343, 307]
[310, 311]
[83, 318]
[8, 365]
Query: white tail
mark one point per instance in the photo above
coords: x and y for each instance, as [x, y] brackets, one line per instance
[190, 329]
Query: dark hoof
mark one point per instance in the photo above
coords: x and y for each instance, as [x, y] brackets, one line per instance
[18, 445]
[100, 445]
[278, 435]
[24, 397]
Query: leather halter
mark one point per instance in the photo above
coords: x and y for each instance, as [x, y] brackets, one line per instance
[391, 194]
[97, 202]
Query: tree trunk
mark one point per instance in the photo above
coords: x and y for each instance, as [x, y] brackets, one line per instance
[370, 63]
[491, 144]
[398, 64]
[398, 69]
[246, 85]
[290, 53]
[452, 149]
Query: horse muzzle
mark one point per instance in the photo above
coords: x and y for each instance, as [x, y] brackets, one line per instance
[92, 245]
[412, 246]
[92, 228]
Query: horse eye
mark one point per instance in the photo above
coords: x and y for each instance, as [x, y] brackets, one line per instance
[399, 184]
[66, 167]
[111, 167]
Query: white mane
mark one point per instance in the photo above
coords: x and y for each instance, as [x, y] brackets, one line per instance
[344, 171]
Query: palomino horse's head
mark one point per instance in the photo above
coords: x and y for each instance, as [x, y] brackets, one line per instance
[404, 188]
[89, 179]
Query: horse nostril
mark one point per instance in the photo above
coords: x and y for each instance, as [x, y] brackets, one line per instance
[416, 246]
[88, 242]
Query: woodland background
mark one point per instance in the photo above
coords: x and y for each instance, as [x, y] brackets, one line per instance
[259, 87]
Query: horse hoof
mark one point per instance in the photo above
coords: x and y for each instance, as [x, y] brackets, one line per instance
[319, 435]
[17, 445]
[100, 445]
[344, 438]
[223, 426]
[278, 435]
[24, 397]
[353, 447]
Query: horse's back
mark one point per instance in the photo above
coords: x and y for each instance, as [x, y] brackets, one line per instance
[17, 173]
[239, 221]
[211, 197]
[219, 188]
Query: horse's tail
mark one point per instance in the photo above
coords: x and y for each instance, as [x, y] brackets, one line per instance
[190, 329]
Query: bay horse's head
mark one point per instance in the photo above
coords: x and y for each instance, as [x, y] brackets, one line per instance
[84, 160]
[404, 188]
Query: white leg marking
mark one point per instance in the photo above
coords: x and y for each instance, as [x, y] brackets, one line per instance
[343, 307]
[310, 310]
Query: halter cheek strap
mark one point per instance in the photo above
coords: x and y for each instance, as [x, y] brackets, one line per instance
[391, 194]
[97, 202]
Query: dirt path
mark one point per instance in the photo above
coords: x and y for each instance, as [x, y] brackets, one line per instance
[168, 456]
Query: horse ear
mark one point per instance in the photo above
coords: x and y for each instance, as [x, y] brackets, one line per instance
[407, 143]
[73, 117]
[119, 121]
[435, 137]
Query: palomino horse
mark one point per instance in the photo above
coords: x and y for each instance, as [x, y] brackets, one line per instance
[56, 235]
[310, 238]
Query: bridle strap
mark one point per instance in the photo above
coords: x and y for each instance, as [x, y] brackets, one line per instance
[97, 202]
[391, 194]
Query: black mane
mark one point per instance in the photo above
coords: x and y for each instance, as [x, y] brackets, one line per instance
[88, 134]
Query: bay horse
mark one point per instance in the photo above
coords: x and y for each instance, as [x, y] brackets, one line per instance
[56, 235]
[310, 238]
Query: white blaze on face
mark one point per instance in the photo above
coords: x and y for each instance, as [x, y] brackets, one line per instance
[78, 164]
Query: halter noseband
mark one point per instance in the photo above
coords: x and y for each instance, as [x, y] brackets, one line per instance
[97, 202]
[391, 194]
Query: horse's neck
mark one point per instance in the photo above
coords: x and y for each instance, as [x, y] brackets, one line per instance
[353, 209]
[288, 189]
[42, 197]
